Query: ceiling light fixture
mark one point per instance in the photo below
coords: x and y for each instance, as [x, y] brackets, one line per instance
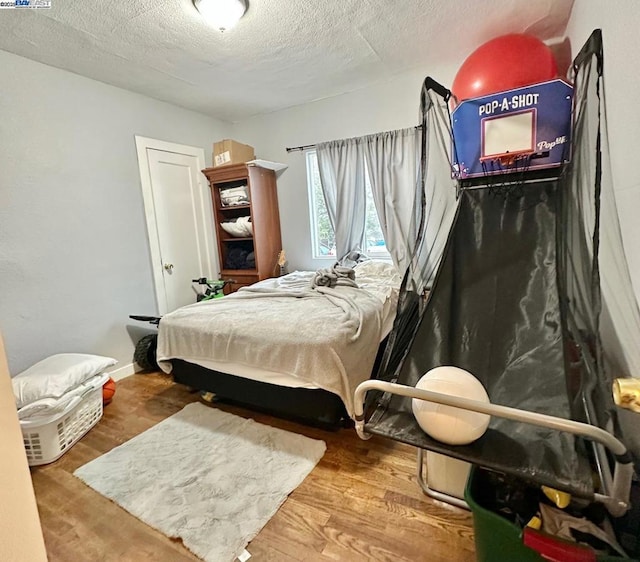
[221, 14]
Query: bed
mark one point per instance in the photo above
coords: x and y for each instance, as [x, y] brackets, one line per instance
[282, 346]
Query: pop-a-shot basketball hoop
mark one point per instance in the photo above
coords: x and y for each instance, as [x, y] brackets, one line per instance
[516, 130]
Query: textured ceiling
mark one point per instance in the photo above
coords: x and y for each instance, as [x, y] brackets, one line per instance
[282, 53]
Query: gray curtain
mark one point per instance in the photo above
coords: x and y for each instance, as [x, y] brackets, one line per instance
[392, 162]
[341, 166]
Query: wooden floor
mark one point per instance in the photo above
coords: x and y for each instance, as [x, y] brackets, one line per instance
[361, 502]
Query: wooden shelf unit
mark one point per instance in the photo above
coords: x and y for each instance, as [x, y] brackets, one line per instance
[266, 242]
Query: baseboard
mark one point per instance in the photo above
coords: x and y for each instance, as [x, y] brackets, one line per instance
[122, 372]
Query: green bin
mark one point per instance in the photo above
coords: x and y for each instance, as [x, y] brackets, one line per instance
[497, 539]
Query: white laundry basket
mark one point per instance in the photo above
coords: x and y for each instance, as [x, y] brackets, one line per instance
[46, 440]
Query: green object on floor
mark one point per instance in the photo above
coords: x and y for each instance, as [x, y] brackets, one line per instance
[497, 539]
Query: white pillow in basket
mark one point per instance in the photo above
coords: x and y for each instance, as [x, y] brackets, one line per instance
[54, 376]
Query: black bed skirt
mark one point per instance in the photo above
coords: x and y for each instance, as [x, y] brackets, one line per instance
[315, 407]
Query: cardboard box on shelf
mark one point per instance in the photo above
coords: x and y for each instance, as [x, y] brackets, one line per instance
[228, 152]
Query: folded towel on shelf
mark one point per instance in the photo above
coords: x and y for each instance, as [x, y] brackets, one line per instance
[335, 276]
[234, 196]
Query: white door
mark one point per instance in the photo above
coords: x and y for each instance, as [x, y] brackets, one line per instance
[178, 209]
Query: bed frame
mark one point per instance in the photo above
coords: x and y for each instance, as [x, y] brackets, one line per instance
[315, 407]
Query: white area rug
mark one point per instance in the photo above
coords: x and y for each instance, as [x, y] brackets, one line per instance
[211, 478]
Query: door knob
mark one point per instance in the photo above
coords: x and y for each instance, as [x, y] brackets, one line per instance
[168, 267]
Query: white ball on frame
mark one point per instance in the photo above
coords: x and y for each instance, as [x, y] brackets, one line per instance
[450, 425]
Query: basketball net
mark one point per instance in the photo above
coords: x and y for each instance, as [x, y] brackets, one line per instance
[505, 174]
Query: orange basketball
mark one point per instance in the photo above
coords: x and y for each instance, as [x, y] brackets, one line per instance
[108, 390]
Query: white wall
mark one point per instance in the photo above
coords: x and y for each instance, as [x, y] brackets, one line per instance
[74, 256]
[622, 83]
[384, 107]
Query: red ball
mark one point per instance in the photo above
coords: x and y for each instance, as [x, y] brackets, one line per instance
[506, 62]
[108, 390]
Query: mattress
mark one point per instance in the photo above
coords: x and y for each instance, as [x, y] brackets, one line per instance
[282, 332]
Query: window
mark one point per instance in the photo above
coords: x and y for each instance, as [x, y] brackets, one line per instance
[322, 235]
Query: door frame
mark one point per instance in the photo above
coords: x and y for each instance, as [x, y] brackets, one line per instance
[142, 145]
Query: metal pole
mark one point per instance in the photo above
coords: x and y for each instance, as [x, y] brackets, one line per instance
[617, 502]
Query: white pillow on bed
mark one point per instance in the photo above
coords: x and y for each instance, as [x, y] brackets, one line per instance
[378, 277]
[54, 376]
[375, 268]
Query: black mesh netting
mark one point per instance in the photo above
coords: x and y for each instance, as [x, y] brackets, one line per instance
[507, 286]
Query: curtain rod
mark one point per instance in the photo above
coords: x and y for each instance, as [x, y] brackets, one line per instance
[308, 146]
[304, 147]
